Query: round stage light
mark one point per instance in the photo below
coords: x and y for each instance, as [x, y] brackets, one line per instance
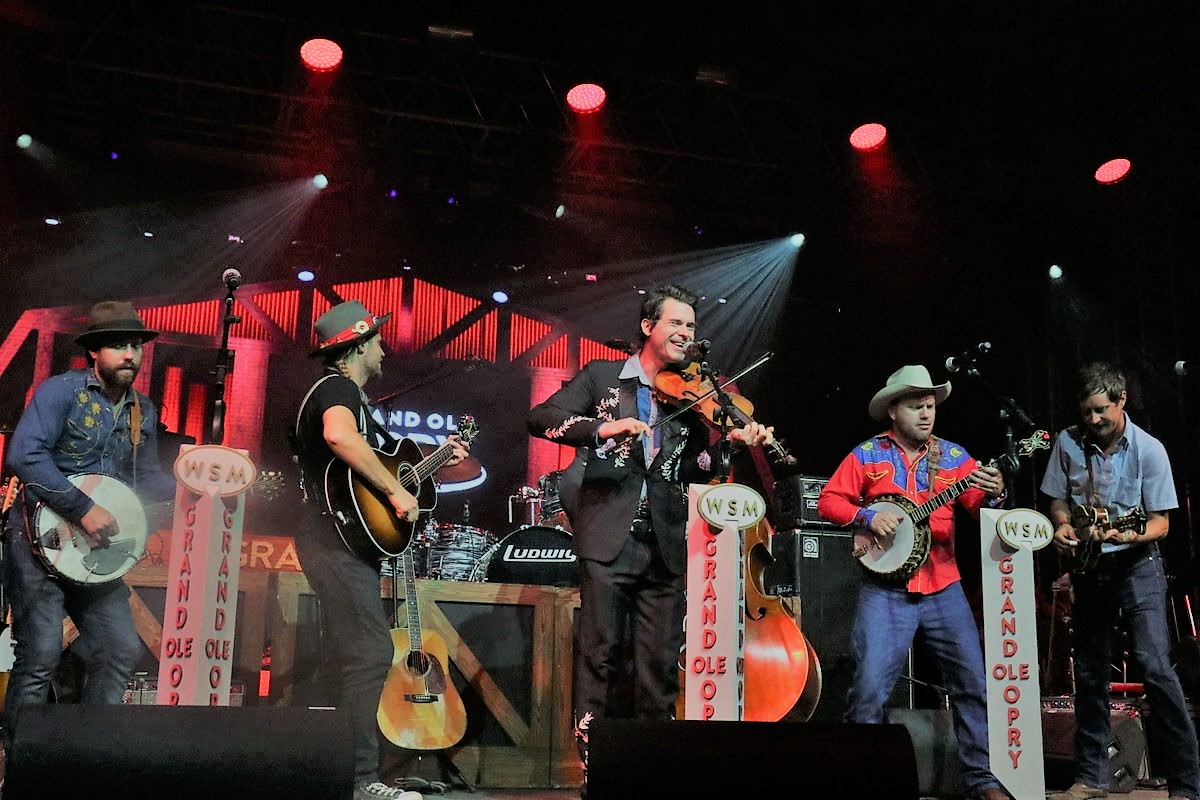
[24, 140]
[1055, 272]
[797, 240]
[52, 221]
[321, 55]
[500, 296]
[320, 181]
[586, 98]
[1113, 171]
[306, 276]
[869, 137]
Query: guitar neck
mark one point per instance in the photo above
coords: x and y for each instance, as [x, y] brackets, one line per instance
[410, 604]
[428, 465]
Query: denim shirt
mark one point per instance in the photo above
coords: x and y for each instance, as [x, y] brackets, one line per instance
[70, 427]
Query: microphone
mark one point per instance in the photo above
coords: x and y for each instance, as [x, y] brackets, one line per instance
[232, 278]
[967, 360]
[697, 349]
[1183, 368]
[620, 344]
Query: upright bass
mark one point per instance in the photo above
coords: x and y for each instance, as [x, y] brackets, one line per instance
[782, 670]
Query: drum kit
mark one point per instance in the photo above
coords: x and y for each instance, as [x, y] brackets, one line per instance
[538, 551]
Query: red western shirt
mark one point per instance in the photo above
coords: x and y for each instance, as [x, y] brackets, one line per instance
[880, 466]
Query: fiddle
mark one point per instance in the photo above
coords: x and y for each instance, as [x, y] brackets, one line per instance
[687, 386]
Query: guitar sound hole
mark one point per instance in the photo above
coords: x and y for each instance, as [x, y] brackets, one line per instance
[417, 663]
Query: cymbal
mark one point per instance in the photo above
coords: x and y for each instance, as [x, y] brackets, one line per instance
[467, 470]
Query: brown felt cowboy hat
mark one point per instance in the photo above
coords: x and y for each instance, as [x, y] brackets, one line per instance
[112, 319]
[909, 380]
[345, 325]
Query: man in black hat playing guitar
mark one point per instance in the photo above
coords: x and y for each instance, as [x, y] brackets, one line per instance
[334, 425]
[90, 421]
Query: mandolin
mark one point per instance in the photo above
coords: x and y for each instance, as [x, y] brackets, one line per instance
[1083, 518]
[420, 708]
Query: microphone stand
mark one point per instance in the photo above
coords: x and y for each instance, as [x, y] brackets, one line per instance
[724, 447]
[224, 366]
[1009, 410]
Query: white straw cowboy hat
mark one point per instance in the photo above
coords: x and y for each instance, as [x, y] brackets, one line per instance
[908, 380]
[344, 325]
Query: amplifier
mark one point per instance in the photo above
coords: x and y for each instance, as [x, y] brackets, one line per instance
[796, 502]
[1126, 749]
[142, 690]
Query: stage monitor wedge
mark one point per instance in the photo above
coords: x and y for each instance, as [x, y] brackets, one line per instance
[767, 760]
[179, 752]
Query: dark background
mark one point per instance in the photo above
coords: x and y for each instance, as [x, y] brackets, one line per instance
[998, 114]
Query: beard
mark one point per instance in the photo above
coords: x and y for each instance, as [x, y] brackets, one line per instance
[119, 377]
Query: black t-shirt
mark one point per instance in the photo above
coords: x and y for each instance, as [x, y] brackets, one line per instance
[332, 389]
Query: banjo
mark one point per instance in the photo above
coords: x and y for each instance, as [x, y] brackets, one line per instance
[66, 552]
[898, 556]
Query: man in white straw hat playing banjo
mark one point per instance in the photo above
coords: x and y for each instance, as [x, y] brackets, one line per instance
[923, 592]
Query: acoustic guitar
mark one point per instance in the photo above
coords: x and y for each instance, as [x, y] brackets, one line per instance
[420, 708]
[1083, 518]
[364, 519]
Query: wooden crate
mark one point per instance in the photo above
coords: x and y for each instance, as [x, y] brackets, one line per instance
[517, 687]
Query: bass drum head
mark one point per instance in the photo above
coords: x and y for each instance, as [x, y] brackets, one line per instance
[532, 554]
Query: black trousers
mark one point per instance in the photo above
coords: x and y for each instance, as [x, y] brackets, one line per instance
[358, 632]
[633, 593]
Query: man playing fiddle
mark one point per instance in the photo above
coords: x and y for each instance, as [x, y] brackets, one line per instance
[631, 514]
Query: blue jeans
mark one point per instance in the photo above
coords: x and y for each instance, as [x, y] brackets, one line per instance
[885, 623]
[1137, 588]
[109, 641]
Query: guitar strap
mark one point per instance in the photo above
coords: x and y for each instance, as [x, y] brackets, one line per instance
[135, 431]
[1092, 494]
[933, 462]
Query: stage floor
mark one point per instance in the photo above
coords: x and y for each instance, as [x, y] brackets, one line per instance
[573, 794]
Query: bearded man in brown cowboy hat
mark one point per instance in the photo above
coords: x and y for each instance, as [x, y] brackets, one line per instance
[334, 423]
[907, 459]
[88, 420]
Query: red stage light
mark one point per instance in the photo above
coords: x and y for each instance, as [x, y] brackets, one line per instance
[321, 55]
[1113, 171]
[866, 138]
[586, 98]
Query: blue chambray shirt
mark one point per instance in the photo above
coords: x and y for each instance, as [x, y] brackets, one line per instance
[1136, 473]
[71, 427]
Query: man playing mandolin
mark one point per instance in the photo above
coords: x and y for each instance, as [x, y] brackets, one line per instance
[91, 421]
[1109, 464]
[334, 424]
[909, 461]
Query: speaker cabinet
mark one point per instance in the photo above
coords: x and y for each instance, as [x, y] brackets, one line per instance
[75, 751]
[816, 566]
[1126, 749]
[694, 759]
[939, 770]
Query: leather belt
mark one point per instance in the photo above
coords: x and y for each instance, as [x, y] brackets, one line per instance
[1119, 559]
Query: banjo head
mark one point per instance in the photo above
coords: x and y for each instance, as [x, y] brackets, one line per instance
[898, 556]
[887, 554]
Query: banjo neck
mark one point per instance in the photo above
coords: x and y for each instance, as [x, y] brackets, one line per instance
[923, 511]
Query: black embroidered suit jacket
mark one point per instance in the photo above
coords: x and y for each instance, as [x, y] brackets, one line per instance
[615, 469]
